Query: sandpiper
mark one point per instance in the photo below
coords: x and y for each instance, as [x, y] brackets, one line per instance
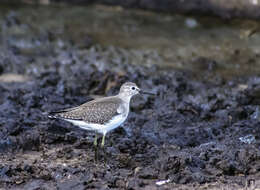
[103, 114]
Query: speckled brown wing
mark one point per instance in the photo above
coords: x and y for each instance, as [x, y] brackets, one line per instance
[96, 111]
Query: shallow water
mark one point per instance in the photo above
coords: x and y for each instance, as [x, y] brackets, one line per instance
[182, 42]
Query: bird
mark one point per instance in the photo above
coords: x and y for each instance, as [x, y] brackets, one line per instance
[103, 114]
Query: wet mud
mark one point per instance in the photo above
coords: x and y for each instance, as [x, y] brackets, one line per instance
[201, 131]
[220, 8]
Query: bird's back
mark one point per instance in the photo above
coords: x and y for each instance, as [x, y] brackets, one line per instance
[96, 111]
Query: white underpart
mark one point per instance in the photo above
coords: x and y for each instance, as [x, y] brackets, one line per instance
[114, 123]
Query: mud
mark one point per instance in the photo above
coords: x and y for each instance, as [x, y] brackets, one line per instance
[201, 131]
[221, 8]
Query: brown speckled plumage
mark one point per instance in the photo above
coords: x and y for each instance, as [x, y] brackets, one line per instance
[101, 115]
[96, 112]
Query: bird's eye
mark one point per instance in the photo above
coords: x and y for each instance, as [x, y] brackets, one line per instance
[133, 88]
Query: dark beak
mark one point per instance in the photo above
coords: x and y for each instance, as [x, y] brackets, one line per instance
[145, 92]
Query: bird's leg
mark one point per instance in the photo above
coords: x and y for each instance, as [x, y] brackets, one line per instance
[96, 147]
[102, 146]
[103, 141]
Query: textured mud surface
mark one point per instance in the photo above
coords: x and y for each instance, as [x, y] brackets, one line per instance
[222, 8]
[201, 131]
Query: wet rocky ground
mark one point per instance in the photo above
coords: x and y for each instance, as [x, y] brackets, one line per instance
[201, 131]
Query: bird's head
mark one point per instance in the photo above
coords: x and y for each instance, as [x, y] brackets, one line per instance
[130, 89]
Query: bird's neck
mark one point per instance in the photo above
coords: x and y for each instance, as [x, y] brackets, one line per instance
[125, 97]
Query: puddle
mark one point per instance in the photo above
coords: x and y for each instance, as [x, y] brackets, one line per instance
[229, 48]
[8, 78]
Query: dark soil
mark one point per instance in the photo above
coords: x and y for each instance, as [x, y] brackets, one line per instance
[200, 132]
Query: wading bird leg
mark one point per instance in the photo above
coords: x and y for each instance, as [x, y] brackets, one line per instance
[96, 147]
[103, 147]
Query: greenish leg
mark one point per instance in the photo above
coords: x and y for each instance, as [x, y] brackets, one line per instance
[103, 140]
[102, 146]
[95, 141]
[96, 147]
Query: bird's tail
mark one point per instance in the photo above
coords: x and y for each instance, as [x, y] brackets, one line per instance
[58, 114]
[52, 115]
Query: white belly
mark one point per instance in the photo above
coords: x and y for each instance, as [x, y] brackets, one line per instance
[114, 123]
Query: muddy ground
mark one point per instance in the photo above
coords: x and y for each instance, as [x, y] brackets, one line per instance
[220, 8]
[201, 131]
